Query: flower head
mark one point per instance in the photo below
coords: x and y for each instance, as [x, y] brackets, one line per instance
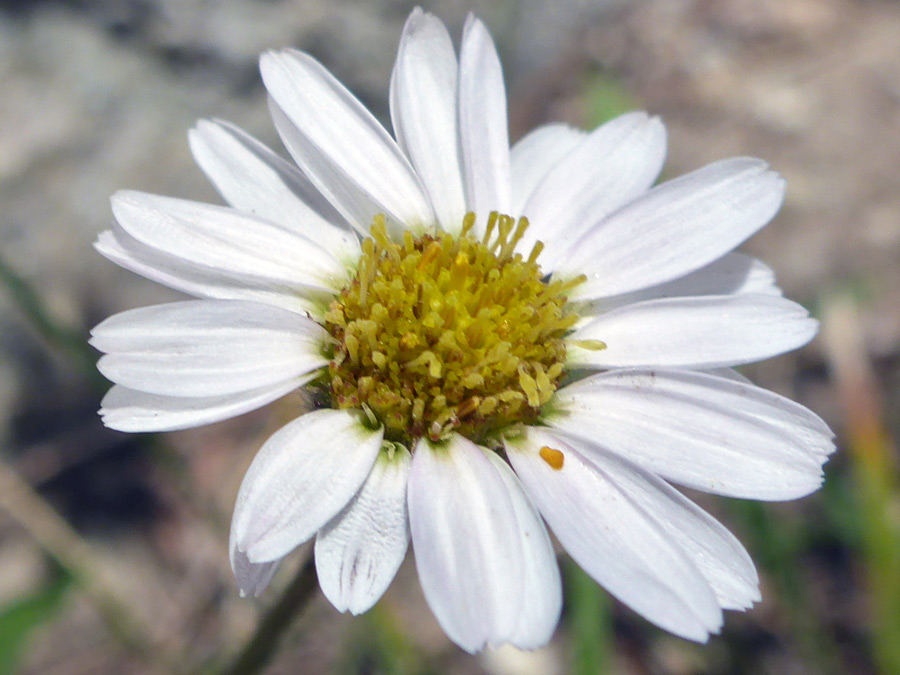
[494, 338]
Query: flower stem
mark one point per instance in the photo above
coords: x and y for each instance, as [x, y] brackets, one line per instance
[593, 648]
[257, 652]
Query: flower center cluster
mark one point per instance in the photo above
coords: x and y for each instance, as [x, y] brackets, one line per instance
[439, 333]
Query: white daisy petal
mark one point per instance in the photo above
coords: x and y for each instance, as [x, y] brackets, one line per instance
[732, 274]
[252, 178]
[730, 374]
[695, 332]
[302, 477]
[252, 578]
[467, 541]
[542, 606]
[228, 241]
[201, 281]
[207, 348]
[424, 112]
[125, 409]
[533, 155]
[674, 229]
[705, 432]
[359, 552]
[606, 531]
[617, 162]
[341, 147]
[719, 556]
[483, 132]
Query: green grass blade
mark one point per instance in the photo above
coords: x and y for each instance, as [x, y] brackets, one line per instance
[590, 617]
[20, 619]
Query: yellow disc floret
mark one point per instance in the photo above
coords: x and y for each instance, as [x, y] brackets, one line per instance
[441, 333]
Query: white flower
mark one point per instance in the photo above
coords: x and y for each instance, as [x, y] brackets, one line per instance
[464, 397]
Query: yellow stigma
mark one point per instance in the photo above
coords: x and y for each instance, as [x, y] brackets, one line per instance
[440, 333]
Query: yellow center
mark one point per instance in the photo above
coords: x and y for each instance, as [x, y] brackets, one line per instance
[439, 333]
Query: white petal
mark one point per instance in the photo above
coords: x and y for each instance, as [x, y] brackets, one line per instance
[610, 535]
[730, 374]
[696, 332]
[252, 178]
[359, 552]
[125, 409]
[484, 136]
[732, 274]
[719, 556]
[543, 597]
[340, 146]
[674, 229]
[207, 348]
[706, 432]
[467, 542]
[424, 109]
[533, 155]
[616, 163]
[252, 578]
[302, 477]
[202, 281]
[221, 239]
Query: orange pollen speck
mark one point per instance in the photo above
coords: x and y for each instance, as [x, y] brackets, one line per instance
[555, 458]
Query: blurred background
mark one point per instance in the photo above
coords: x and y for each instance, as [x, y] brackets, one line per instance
[113, 548]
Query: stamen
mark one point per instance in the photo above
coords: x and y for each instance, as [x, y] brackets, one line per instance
[432, 252]
[591, 345]
[504, 226]
[438, 333]
[459, 272]
[468, 407]
[507, 248]
[363, 280]
[380, 235]
[468, 223]
[492, 222]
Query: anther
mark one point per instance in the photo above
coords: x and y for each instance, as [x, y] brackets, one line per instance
[468, 406]
[491, 223]
[590, 345]
[468, 223]
[363, 280]
[504, 227]
[432, 252]
[507, 250]
[460, 271]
